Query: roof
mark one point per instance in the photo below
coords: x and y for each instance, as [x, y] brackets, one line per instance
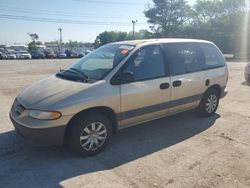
[160, 40]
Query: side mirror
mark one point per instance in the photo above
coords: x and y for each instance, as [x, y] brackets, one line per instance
[127, 77]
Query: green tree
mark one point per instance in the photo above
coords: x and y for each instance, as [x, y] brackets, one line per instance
[116, 36]
[33, 36]
[218, 21]
[108, 37]
[168, 17]
[206, 10]
[33, 44]
[141, 34]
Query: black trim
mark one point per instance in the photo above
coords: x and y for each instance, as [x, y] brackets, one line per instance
[166, 59]
[157, 107]
[115, 79]
[210, 68]
[166, 51]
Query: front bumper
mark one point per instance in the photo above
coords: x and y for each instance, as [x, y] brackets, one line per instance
[52, 136]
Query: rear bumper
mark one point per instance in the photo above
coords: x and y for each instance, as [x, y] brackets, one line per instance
[53, 136]
[223, 92]
[247, 77]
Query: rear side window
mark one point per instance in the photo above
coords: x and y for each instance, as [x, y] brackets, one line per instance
[212, 56]
[184, 58]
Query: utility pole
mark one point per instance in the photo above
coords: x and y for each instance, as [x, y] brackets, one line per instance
[60, 38]
[134, 22]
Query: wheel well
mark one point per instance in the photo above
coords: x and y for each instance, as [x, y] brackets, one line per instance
[217, 88]
[108, 112]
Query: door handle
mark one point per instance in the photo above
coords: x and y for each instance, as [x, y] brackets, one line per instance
[164, 86]
[177, 83]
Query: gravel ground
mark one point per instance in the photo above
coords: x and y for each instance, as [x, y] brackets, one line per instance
[178, 151]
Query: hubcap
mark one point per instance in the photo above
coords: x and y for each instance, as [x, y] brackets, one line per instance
[211, 103]
[93, 136]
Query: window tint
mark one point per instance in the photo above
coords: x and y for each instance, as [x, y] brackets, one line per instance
[147, 63]
[212, 57]
[185, 58]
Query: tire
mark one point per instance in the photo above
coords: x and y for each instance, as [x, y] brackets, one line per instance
[209, 103]
[89, 135]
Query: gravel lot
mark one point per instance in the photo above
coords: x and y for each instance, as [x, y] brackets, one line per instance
[179, 151]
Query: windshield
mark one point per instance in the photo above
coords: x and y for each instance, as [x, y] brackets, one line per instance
[97, 64]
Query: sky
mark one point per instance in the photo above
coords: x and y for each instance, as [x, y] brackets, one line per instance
[80, 20]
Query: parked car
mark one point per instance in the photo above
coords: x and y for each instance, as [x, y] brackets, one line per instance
[74, 55]
[80, 55]
[3, 56]
[247, 72]
[37, 55]
[87, 52]
[50, 54]
[61, 55]
[71, 54]
[23, 55]
[11, 55]
[119, 85]
[68, 53]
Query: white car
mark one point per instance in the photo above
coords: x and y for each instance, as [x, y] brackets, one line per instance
[23, 55]
[61, 55]
[11, 56]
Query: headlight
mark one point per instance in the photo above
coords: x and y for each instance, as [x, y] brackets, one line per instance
[45, 115]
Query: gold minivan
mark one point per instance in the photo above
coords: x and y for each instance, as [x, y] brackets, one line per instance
[119, 85]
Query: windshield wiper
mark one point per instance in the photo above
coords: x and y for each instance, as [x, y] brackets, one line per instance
[72, 75]
[80, 73]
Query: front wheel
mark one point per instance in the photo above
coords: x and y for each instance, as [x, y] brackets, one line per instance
[209, 103]
[89, 135]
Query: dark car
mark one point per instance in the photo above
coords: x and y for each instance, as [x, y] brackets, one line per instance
[37, 55]
[71, 54]
[80, 55]
[74, 55]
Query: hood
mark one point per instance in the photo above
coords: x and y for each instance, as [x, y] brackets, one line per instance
[44, 93]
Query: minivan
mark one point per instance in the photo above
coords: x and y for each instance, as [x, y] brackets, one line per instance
[120, 85]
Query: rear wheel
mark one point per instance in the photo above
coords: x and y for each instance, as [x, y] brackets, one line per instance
[89, 135]
[209, 103]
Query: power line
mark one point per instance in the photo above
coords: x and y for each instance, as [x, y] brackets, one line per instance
[118, 2]
[109, 2]
[27, 18]
[59, 13]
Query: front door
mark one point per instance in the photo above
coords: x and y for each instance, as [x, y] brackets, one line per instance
[148, 96]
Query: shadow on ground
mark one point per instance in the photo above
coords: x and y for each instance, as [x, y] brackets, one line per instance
[245, 83]
[26, 166]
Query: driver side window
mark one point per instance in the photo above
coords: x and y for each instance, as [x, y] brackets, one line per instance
[148, 63]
